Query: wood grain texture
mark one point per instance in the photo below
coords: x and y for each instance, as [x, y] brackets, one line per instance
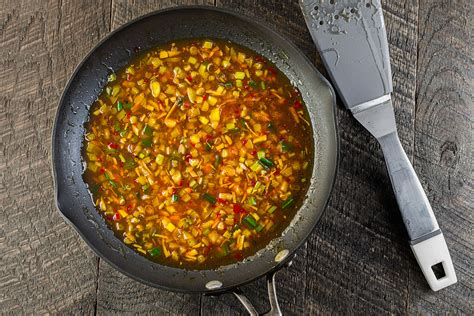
[126, 10]
[356, 262]
[444, 145]
[45, 267]
[120, 294]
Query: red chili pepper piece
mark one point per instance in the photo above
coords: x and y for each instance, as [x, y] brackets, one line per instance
[190, 78]
[116, 217]
[297, 104]
[204, 97]
[187, 157]
[238, 209]
[102, 170]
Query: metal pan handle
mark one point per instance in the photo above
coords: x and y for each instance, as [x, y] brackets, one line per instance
[272, 297]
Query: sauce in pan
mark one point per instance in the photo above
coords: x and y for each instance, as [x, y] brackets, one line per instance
[198, 153]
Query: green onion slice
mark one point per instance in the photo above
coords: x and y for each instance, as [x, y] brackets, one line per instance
[250, 221]
[211, 199]
[289, 201]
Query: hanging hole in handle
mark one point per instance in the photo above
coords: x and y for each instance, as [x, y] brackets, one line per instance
[438, 270]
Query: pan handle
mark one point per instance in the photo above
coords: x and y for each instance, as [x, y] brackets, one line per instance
[272, 297]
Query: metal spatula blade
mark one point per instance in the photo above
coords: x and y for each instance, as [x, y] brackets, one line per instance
[351, 39]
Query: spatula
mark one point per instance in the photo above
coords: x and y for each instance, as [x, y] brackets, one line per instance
[351, 39]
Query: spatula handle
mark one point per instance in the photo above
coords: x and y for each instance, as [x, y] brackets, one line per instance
[427, 240]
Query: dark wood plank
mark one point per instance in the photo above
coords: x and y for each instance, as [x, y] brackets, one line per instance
[357, 260]
[116, 292]
[126, 10]
[45, 267]
[444, 145]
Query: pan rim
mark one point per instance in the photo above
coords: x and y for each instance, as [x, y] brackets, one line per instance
[238, 15]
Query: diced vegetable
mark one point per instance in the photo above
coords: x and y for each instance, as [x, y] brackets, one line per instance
[272, 209]
[211, 199]
[183, 157]
[147, 142]
[287, 202]
[112, 77]
[147, 130]
[250, 221]
[239, 75]
[253, 84]
[252, 201]
[260, 139]
[267, 163]
[154, 252]
[207, 44]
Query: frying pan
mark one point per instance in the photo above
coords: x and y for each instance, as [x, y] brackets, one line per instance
[113, 53]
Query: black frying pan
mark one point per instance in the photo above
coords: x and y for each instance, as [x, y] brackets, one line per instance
[113, 53]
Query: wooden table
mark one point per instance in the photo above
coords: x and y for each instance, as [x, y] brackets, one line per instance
[358, 259]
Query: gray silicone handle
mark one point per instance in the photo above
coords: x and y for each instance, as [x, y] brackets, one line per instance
[430, 249]
[416, 210]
